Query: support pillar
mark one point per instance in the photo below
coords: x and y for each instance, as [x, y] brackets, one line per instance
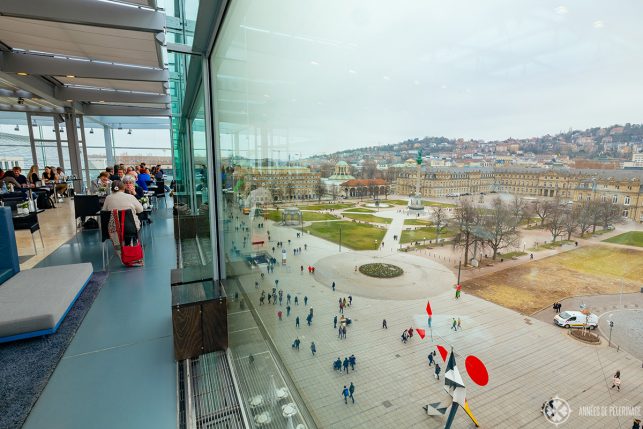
[109, 146]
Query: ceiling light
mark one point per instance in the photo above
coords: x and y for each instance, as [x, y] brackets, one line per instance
[561, 10]
[314, 63]
[17, 128]
[71, 76]
[69, 101]
[130, 131]
[21, 100]
[91, 131]
[599, 24]
[23, 74]
[351, 71]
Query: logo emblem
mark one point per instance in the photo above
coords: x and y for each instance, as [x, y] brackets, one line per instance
[557, 410]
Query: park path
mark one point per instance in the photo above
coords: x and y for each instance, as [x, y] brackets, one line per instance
[393, 229]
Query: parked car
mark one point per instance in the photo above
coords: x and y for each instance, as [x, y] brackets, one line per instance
[576, 319]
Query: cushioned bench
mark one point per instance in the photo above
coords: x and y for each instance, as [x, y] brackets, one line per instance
[35, 302]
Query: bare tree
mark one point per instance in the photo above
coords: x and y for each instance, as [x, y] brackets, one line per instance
[500, 226]
[555, 222]
[543, 210]
[439, 216]
[369, 169]
[319, 189]
[585, 216]
[467, 218]
[608, 213]
[570, 220]
[326, 169]
[333, 191]
[518, 209]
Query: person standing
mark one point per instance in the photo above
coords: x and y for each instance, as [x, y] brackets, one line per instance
[346, 394]
[341, 307]
[454, 324]
[339, 332]
[333, 286]
[279, 314]
[305, 300]
[309, 319]
[459, 327]
[437, 371]
[351, 391]
[335, 322]
[288, 299]
[313, 348]
[458, 290]
[297, 322]
[430, 357]
[344, 331]
[287, 310]
[350, 300]
[384, 326]
[351, 361]
[345, 365]
[296, 300]
[616, 381]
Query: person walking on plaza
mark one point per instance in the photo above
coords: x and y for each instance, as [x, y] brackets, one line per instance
[437, 371]
[288, 299]
[276, 282]
[279, 313]
[269, 297]
[335, 322]
[295, 344]
[346, 394]
[287, 310]
[344, 331]
[339, 332]
[333, 286]
[351, 390]
[430, 357]
[341, 307]
[458, 290]
[313, 348]
[351, 361]
[616, 381]
[459, 324]
[345, 365]
[309, 319]
[350, 300]
[454, 325]
[410, 330]
[344, 302]
[636, 424]
[297, 322]
[296, 301]
[305, 300]
[302, 270]
[384, 326]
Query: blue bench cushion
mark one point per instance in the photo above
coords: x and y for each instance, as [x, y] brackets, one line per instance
[5, 275]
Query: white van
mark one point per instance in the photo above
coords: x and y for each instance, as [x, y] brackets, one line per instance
[576, 319]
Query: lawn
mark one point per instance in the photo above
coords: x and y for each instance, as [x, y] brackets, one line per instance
[275, 215]
[409, 236]
[632, 238]
[550, 245]
[357, 236]
[422, 222]
[510, 255]
[532, 286]
[336, 206]
[425, 203]
[367, 217]
[360, 210]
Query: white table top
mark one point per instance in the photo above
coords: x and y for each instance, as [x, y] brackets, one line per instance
[281, 393]
[289, 410]
[263, 418]
[256, 400]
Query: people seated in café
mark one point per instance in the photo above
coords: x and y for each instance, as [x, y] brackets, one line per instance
[102, 184]
[132, 188]
[7, 178]
[61, 181]
[33, 176]
[143, 178]
[119, 200]
[113, 172]
[20, 178]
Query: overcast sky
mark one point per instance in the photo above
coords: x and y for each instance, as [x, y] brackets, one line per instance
[327, 75]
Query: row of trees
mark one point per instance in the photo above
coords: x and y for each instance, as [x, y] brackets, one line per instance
[497, 227]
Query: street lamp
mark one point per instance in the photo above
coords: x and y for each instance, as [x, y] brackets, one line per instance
[609, 341]
[340, 238]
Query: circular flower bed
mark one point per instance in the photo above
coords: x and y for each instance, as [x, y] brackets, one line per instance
[382, 271]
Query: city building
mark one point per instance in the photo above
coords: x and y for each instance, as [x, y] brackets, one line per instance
[284, 183]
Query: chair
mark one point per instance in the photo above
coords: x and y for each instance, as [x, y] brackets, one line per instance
[160, 191]
[86, 206]
[29, 222]
[105, 215]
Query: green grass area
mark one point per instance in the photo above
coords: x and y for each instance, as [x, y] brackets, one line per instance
[356, 236]
[275, 215]
[425, 203]
[510, 255]
[550, 246]
[422, 222]
[337, 206]
[604, 261]
[632, 238]
[598, 232]
[360, 210]
[419, 234]
[367, 217]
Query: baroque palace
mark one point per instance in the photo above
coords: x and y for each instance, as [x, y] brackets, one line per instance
[619, 186]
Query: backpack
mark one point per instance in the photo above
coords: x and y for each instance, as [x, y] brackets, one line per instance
[90, 223]
[43, 202]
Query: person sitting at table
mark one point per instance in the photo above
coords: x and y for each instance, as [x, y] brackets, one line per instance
[8, 179]
[61, 181]
[20, 178]
[33, 176]
[119, 200]
[132, 188]
[48, 177]
[113, 174]
[158, 175]
[143, 178]
[101, 184]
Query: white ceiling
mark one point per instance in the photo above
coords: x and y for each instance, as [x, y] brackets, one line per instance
[96, 43]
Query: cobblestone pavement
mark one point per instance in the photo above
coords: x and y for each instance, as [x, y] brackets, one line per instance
[528, 360]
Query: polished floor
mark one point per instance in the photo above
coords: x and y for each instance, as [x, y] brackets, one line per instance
[119, 370]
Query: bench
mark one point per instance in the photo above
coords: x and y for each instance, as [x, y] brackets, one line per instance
[35, 302]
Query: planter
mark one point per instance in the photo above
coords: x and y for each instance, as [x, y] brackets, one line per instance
[381, 271]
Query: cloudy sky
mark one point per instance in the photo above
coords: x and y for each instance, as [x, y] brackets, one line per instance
[323, 75]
